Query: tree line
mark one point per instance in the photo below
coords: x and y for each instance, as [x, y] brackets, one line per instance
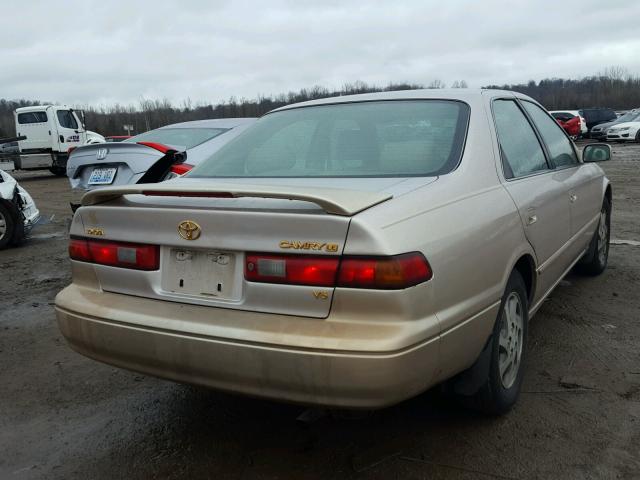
[614, 88]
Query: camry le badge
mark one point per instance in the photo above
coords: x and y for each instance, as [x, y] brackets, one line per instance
[189, 230]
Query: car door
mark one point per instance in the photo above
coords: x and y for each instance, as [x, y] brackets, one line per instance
[538, 191]
[582, 180]
[68, 130]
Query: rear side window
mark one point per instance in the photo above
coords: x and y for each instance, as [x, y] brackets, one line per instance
[520, 149]
[559, 146]
[67, 119]
[178, 137]
[32, 117]
[361, 139]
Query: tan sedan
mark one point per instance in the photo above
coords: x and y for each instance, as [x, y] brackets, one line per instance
[348, 252]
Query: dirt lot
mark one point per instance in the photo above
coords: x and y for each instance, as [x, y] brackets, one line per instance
[64, 416]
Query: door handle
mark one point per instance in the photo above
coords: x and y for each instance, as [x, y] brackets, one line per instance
[573, 197]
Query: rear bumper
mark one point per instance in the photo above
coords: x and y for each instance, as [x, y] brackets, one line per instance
[315, 376]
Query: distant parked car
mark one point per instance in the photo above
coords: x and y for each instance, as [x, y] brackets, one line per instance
[117, 138]
[596, 116]
[572, 126]
[152, 156]
[599, 132]
[564, 116]
[625, 132]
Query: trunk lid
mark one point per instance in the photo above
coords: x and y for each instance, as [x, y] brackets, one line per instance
[209, 269]
[120, 163]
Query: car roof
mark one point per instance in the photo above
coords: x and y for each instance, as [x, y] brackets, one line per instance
[463, 94]
[213, 123]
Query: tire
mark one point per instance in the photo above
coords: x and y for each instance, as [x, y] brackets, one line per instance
[595, 260]
[59, 171]
[638, 137]
[506, 353]
[7, 226]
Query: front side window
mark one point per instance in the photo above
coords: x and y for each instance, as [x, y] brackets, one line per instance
[363, 139]
[520, 149]
[32, 117]
[178, 137]
[67, 119]
[560, 149]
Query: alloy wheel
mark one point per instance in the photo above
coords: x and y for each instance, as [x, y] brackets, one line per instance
[510, 340]
[603, 237]
[3, 226]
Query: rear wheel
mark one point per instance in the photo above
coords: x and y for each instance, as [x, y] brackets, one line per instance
[7, 226]
[595, 260]
[506, 352]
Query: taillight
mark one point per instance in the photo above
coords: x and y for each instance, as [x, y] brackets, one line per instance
[71, 149]
[292, 269]
[136, 256]
[386, 273]
[378, 273]
[180, 168]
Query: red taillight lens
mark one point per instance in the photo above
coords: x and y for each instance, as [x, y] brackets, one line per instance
[387, 273]
[180, 168]
[115, 254]
[294, 270]
[384, 273]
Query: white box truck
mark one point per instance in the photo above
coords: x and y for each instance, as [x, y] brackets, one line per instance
[51, 131]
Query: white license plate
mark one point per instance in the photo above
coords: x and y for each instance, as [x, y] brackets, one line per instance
[201, 273]
[102, 176]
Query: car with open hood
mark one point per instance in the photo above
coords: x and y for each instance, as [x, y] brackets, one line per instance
[346, 252]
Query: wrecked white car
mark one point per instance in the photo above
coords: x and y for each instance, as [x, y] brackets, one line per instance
[18, 211]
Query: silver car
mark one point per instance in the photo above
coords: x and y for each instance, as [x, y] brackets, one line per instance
[349, 252]
[152, 156]
[599, 132]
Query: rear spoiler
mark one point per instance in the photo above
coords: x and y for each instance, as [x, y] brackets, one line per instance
[337, 201]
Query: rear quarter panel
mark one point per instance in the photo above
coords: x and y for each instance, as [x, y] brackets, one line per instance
[468, 228]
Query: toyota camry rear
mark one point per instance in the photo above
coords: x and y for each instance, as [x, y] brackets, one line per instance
[349, 252]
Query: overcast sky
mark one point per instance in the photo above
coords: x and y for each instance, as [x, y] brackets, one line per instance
[106, 52]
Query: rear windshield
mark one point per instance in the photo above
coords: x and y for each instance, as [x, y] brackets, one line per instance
[178, 137]
[365, 139]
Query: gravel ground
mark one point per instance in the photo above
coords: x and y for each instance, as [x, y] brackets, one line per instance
[64, 416]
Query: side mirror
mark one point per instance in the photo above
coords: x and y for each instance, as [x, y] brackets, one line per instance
[596, 152]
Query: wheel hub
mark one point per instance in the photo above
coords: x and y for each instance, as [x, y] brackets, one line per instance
[603, 234]
[510, 341]
[3, 226]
